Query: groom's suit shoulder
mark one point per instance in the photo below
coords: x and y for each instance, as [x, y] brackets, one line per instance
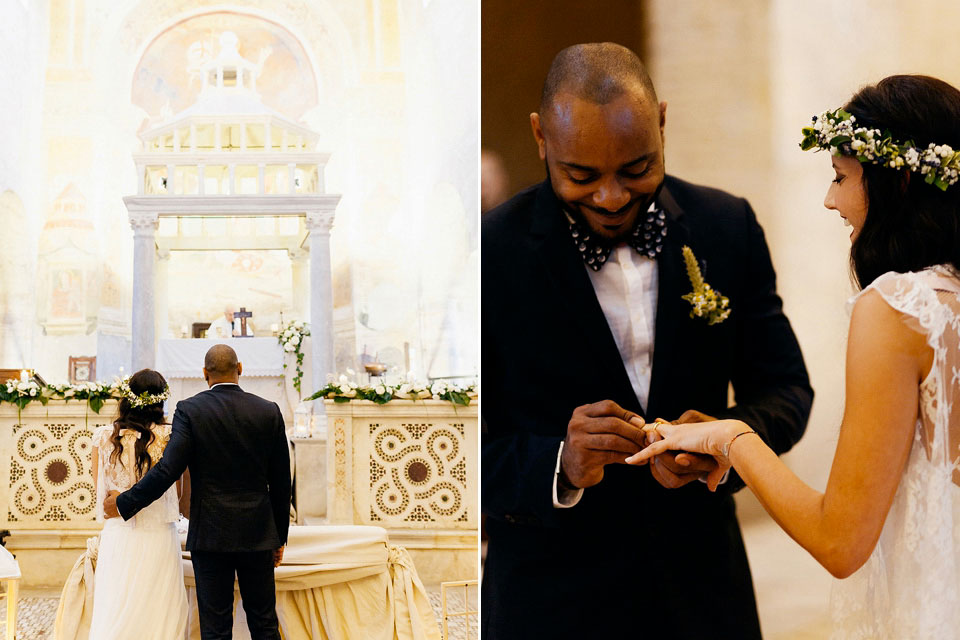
[503, 225]
[696, 198]
[235, 395]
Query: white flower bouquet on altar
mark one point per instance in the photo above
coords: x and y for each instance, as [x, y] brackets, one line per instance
[291, 338]
[95, 393]
[345, 389]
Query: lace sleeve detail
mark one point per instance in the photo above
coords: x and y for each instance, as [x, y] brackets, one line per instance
[914, 295]
[101, 436]
[161, 434]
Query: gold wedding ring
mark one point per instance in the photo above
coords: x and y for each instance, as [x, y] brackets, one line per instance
[652, 426]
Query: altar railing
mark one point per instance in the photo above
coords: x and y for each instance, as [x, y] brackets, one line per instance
[47, 460]
[402, 465]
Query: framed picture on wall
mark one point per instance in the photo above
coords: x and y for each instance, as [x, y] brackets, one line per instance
[83, 369]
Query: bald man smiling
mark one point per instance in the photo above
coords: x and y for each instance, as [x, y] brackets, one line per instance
[584, 276]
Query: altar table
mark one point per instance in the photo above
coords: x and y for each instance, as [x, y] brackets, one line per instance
[184, 358]
[181, 363]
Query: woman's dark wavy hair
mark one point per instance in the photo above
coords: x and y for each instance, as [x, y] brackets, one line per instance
[139, 418]
[910, 225]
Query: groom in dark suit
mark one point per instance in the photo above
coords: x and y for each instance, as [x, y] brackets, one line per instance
[236, 449]
[584, 327]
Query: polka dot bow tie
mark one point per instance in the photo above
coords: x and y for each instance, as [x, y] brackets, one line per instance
[646, 237]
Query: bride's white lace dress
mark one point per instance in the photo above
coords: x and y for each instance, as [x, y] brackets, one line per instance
[138, 583]
[910, 585]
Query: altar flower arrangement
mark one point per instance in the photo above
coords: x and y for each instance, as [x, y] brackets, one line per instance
[94, 393]
[22, 393]
[345, 389]
[291, 338]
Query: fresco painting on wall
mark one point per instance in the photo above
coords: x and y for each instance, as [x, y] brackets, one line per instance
[285, 82]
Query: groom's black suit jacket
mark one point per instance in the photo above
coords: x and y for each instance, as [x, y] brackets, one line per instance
[236, 448]
[632, 559]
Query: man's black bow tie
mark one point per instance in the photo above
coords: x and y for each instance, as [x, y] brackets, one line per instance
[646, 237]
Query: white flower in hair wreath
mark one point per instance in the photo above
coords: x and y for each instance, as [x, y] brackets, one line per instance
[837, 132]
[705, 301]
[144, 399]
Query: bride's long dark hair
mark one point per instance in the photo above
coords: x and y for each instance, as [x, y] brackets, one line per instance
[910, 225]
[139, 418]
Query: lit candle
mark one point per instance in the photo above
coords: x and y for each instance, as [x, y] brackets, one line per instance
[24, 375]
[275, 328]
[183, 330]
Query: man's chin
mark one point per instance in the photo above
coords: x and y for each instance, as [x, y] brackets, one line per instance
[611, 231]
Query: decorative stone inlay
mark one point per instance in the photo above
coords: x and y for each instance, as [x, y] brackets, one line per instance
[340, 454]
[417, 472]
[50, 470]
[56, 472]
[409, 465]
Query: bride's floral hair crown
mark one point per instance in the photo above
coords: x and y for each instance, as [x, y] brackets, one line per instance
[144, 399]
[838, 132]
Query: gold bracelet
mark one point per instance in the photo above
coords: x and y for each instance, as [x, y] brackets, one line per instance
[726, 447]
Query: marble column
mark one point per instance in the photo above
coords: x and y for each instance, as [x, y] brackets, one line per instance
[321, 298]
[144, 226]
[300, 266]
[161, 295]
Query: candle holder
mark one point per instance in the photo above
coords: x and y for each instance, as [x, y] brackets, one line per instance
[374, 370]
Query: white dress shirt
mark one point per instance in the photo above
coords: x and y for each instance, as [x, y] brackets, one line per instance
[626, 288]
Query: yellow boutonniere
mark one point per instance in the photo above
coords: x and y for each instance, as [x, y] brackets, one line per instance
[705, 302]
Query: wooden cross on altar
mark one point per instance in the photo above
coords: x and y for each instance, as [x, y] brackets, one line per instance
[243, 314]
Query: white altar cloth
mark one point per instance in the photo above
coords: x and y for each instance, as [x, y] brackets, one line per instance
[261, 357]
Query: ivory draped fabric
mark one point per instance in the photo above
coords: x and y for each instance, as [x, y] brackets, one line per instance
[335, 583]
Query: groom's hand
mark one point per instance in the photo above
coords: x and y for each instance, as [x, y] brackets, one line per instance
[673, 469]
[598, 434]
[277, 557]
[110, 505]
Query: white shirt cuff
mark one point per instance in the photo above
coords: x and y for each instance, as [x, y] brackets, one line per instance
[564, 498]
[723, 480]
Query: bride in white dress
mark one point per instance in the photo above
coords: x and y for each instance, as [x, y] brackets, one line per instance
[138, 584]
[889, 520]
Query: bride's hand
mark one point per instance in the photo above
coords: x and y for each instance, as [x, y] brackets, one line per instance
[700, 437]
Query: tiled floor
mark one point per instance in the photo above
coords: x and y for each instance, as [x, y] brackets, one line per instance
[458, 627]
[35, 615]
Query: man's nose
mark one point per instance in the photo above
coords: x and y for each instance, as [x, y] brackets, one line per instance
[611, 195]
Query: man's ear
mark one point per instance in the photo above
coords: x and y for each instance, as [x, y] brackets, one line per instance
[663, 122]
[535, 125]
[239, 368]
[206, 376]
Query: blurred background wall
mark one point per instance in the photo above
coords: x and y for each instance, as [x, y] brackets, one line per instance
[741, 79]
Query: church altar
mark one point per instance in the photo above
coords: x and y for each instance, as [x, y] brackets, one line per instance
[411, 467]
[261, 357]
[181, 363]
[334, 582]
